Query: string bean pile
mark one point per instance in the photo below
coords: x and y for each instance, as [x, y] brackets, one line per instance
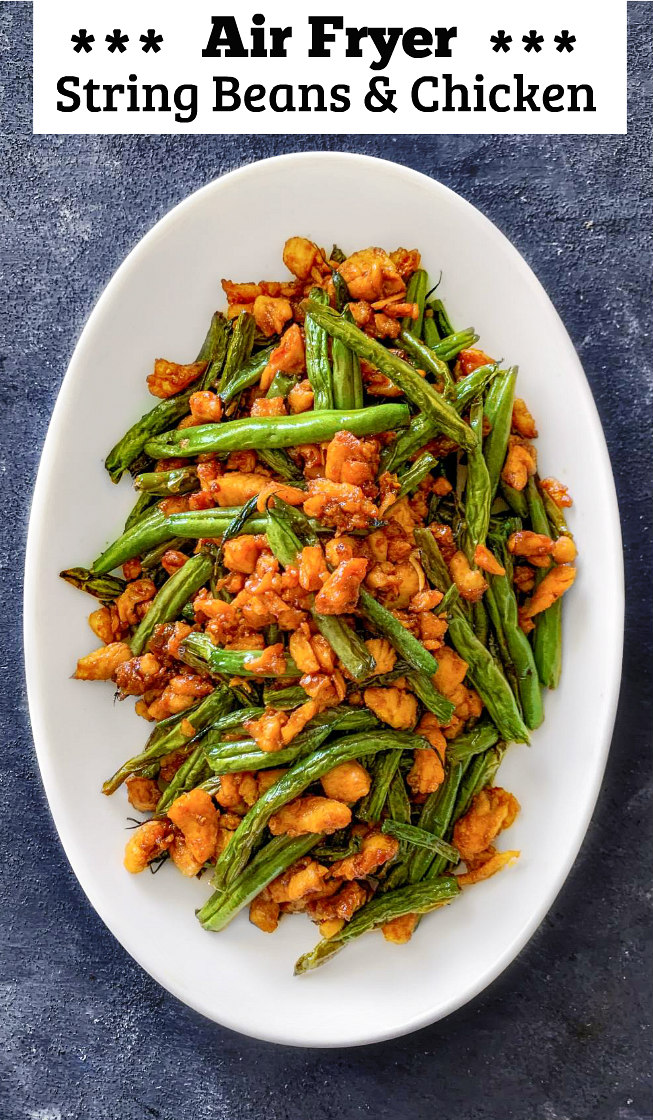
[339, 601]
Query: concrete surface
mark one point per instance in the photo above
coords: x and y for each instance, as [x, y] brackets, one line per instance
[564, 1033]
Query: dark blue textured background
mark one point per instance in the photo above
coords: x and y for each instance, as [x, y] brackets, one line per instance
[564, 1034]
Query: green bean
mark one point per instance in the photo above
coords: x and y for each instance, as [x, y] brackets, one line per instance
[433, 701]
[415, 293]
[428, 360]
[347, 380]
[450, 345]
[435, 819]
[318, 369]
[555, 516]
[284, 699]
[481, 737]
[181, 480]
[192, 771]
[231, 721]
[498, 410]
[420, 392]
[501, 594]
[474, 385]
[430, 332]
[479, 774]
[405, 643]
[398, 803]
[239, 350]
[449, 601]
[293, 783]
[152, 559]
[330, 853]
[105, 588]
[249, 374]
[164, 414]
[516, 499]
[277, 856]
[199, 651]
[547, 636]
[170, 598]
[280, 462]
[478, 498]
[417, 899]
[170, 734]
[419, 838]
[442, 319]
[140, 508]
[341, 291]
[281, 385]
[410, 478]
[237, 524]
[385, 768]
[254, 432]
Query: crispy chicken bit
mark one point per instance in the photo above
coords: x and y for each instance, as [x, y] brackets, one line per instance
[196, 817]
[302, 257]
[451, 671]
[288, 357]
[147, 842]
[406, 261]
[554, 584]
[492, 810]
[520, 464]
[267, 729]
[172, 561]
[484, 868]
[129, 605]
[469, 360]
[395, 584]
[425, 601]
[182, 856]
[347, 782]
[394, 706]
[338, 549]
[523, 578]
[142, 793]
[376, 849]
[312, 568]
[205, 407]
[371, 274]
[300, 397]
[340, 906]
[235, 488]
[484, 559]
[271, 662]
[400, 930]
[101, 664]
[533, 546]
[310, 814]
[469, 581]
[339, 592]
[351, 460]
[140, 674]
[268, 406]
[383, 653]
[271, 314]
[563, 551]
[106, 625]
[427, 771]
[523, 423]
[376, 383]
[339, 504]
[170, 378]
[264, 914]
[429, 727]
[556, 491]
[242, 553]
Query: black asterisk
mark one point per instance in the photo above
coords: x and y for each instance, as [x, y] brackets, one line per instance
[117, 41]
[565, 41]
[151, 41]
[501, 41]
[533, 41]
[82, 41]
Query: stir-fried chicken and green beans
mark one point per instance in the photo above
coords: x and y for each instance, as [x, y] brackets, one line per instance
[340, 599]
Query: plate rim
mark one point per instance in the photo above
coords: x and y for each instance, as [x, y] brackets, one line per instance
[40, 733]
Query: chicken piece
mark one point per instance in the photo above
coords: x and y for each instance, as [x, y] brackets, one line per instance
[554, 584]
[182, 856]
[172, 561]
[106, 625]
[370, 274]
[303, 258]
[101, 664]
[400, 930]
[235, 488]
[429, 728]
[242, 553]
[469, 360]
[196, 817]
[312, 568]
[485, 560]
[406, 261]
[392, 705]
[271, 314]
[347, 782]
[338, 549]
[523, 423]
[264, 914]
[170, 378]
[520, 464]
[556, 491]
[205, 407]
[339, 592]
[492, 810]
[469, 581]
[130, 604]
[240, 293]
[288, 357]
[443, 537]
[298, 719]
[146, 843]
[330, 927]
[425, 601]
[229, 794]
[480, 870]
[340, 906]
[310, 814]
[291, 495]
[351, 460]
[427, 772]
[383, 653]
[268, 406]
[326, 690]
[132, 569]
[142, 793]
[563, 551]
[339, 504]
[267, 729]
[376, 849]
[267, 778]
[174, 505]
[375, 382]
[395, 584]
[523, 578]
[451, 671]
[533, 546]
[300, 397]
